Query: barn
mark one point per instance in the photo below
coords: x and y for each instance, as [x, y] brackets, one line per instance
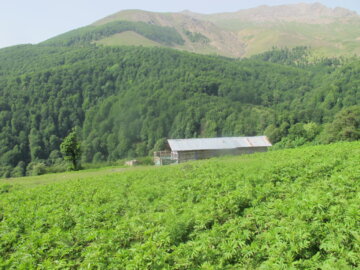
[182, 150]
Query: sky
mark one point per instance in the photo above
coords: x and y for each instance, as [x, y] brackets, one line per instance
[24, 21]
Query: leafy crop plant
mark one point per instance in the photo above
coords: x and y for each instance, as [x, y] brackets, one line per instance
[288, 209]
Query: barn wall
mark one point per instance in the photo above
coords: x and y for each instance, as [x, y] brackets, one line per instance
[184, 156]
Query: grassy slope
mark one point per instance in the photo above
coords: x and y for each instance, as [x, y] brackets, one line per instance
[133, 39]
[34, 181]
[128, 38]
[333, 39]
[328, 39]
[279, 210]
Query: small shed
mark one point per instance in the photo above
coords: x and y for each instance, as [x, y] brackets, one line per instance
[182, 150]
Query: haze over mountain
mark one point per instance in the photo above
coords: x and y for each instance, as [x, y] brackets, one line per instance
[329, 32]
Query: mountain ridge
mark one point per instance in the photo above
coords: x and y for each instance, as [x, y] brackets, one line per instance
[302, 12]
[328, 31]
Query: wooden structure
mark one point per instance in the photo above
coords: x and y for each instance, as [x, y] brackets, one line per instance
[163, 158]
[182, 150]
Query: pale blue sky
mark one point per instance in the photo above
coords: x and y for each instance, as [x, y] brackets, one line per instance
[32, 21]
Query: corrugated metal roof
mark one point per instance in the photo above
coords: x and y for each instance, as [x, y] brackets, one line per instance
[218, 143]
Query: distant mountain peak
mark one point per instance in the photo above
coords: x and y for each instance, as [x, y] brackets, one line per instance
[314, 13]
[330, 31]
[187, 11]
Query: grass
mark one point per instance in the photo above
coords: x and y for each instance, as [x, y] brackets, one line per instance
[332, 39]
[33, 181]
[289, 209]
[327, 40]
[128, 38]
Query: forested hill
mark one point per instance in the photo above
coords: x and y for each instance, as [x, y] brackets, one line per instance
[125, 101]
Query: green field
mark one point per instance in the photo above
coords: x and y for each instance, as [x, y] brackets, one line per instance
[289, 209]
[128, 38]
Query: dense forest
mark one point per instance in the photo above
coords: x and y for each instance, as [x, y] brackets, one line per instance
[124, 101]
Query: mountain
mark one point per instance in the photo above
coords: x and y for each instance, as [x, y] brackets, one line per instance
[301, 13]
[329, 32]
[296, 209]
[124, 101]
[200, 36]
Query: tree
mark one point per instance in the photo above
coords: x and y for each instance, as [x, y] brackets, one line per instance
[71, 149]
[346, 125]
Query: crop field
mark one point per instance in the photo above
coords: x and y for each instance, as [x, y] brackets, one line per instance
[289, 209]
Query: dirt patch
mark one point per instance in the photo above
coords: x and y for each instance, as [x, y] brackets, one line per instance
[118, 170]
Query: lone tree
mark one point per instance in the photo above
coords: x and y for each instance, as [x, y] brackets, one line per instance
[71, 149]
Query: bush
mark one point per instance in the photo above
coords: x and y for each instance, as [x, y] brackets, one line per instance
[5, 171]
[19, 170]
[35, 168]
[5, 188]
[145, 161]
[345, 127]
[59, 166]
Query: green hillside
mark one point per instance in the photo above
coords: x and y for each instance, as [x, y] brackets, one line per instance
[86, 35]
[124, 101]
[291, 209]
[128, 38]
